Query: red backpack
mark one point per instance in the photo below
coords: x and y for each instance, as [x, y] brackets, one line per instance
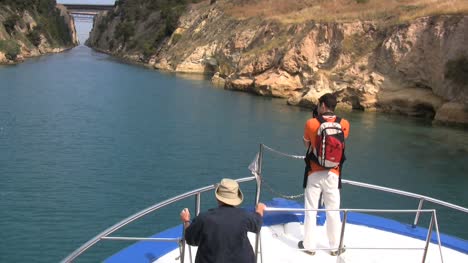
[329, 147]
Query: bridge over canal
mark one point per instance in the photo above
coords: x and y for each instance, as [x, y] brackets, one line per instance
[86, 10]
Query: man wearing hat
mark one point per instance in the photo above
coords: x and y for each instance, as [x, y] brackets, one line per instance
[221, 233]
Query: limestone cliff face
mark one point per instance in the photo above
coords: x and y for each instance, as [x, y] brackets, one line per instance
[70, 24]
[31, 31]
[418, 68]
[427, 59]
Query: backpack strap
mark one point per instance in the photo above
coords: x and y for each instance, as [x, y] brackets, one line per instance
[341, 169]
[320, 119]
[307, 168]
[338, 120]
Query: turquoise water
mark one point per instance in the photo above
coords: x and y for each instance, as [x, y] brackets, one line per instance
[86, 141]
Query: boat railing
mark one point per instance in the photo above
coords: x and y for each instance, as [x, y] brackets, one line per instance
[105, 235]
[256, 168]
[421, 198]
[432, 224]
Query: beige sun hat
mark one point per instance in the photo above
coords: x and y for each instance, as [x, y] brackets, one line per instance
[229, 193]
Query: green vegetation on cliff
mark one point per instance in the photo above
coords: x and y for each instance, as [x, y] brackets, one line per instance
[140, 25]
[10, 48]
[47, 22]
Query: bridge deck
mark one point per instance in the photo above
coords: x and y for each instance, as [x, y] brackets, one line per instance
[79, 7]
[89, 10]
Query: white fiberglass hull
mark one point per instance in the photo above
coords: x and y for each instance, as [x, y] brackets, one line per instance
[364, 244]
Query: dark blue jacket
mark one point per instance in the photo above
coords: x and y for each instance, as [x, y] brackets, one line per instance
[221, 235]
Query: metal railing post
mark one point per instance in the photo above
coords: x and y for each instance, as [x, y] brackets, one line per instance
[438, 235]
[182, 245]
[261, 246]
[197, 212]
[258, 179]
[197, 204]
[343, 224]
[428, 238]
[416, 218]
[259, 174]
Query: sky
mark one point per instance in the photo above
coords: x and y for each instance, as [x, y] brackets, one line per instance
[95, 2]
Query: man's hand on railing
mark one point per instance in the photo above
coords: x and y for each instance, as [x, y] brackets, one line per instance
[260, 208]
[185, 216]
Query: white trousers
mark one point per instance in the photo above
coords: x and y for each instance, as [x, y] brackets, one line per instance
[324, 182]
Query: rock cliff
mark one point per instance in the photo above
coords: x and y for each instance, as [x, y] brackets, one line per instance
[31, 28]
[417, 68]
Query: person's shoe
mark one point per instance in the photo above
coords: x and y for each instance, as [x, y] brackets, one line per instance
[301, 246]
[335, 252]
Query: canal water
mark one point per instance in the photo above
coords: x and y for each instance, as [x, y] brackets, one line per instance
[86, 140]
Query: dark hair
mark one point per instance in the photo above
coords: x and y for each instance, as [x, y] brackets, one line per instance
[329, 100]
[315, 111]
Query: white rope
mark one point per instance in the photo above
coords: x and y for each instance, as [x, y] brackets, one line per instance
[284, 154]
[273, 191]
[253, 167]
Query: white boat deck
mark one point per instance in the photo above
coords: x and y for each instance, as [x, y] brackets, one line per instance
[363, 244]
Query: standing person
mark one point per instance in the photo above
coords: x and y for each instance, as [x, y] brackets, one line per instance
[321, 180]
[221, 233]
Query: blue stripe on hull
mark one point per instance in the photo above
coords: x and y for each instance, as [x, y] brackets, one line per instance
[148, 251]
